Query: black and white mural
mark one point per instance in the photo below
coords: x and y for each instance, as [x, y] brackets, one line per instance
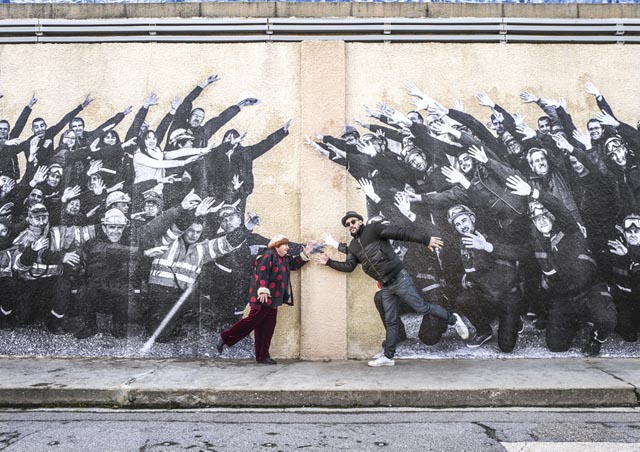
[102, 234]
[540, 220]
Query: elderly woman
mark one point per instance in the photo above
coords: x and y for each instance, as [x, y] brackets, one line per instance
[269, 289]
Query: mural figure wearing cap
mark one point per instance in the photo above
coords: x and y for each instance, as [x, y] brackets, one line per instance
[623, 275]
[371, 248]
[491, 281]
[569, 274]
[269, 289]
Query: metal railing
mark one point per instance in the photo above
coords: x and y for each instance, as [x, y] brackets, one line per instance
[301, 29]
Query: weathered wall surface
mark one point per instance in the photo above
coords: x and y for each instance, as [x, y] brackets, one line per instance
[322, 86]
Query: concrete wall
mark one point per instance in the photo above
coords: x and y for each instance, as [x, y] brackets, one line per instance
[321, 85]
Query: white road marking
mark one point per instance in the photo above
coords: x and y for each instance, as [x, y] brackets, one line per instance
[571, 447]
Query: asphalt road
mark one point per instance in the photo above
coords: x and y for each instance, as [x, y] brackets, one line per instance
[524, 430]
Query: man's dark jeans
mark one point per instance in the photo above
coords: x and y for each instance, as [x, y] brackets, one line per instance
[403, 289]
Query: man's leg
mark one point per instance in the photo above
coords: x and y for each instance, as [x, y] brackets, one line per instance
[390, 304]
[510, 307]
[561, 326]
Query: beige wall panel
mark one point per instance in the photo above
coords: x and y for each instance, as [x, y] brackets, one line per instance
[324, 302]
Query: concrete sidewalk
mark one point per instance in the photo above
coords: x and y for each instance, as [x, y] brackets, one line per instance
[153, 383]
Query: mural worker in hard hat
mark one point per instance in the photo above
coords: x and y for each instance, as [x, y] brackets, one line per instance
[371, 248]
[570, 275]
[491, 281]
[270, 288]
[106, 287]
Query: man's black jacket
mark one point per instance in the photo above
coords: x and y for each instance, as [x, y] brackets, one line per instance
[371, 248]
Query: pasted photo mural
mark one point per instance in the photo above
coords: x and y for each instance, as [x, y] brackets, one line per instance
[108, 223]
[538, 216]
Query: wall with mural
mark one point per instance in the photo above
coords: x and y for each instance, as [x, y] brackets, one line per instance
[141, 175]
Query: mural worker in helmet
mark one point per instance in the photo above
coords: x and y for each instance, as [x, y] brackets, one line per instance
[106, 287]
[269, 289]
[577, 295]
[371, 248]
[491, 282]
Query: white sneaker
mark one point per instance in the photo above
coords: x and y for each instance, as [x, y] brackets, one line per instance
[461, 327]
[381, 362]
[380, 354]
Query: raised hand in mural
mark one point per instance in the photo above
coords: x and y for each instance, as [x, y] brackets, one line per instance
[562, 143]
[370, 113]
[525, 130]
[453, 176]
[33, 149]
[309, 142]
[484, 100]
[39, 176]
[175, 104]
[206, 206]
[9, 185]
[118, 186]
[94, 167]
[151, 101]
[72, 259]
[211, 79]
[617, 247]
[127, 110]
[436, 108]
[476, 241]
[156, 252]
[367, 148]
[583, 138]
[606, 119]
[87, 100]
[287, 125]
[247, 102]
[414, 91]
[518, 186]
[252, 221]
[33, 100]
[478, 153]
[592, 89]
[404, 205]
[70, 193]
[518, 119]
[5, 210]
[367, 187]
[191, 201]
[236, 182]
[98, 186]
[527, 97]
[457, 105]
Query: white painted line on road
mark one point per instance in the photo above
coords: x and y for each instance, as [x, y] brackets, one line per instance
[571, 447]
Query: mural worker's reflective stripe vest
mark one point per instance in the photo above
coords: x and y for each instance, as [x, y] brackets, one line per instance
[61, 238]
[180, 265]
[6, 260]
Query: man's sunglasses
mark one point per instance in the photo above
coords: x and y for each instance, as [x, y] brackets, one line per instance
[350, 223]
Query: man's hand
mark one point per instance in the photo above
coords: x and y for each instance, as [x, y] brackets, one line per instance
[607, 120]
[127, 110]
[9, 185]
[6, 209]
[33, 100]
[72, 259]
[70, 193]
[528, 97]
[583, 138]
[94, 167]
[435, 243]
[403, 205]
[191, 201]
[591, 89]
[321, 259]
[562, 143]
[248, 102]
[369, 191]
[236, 182]
[13, 142]
[525, 130]
[40, 244]
[156, 252]
[367, 148]
[453, 176]
[99, 187]
[518, 119]
[414, 91]
[457, 105]
[152, 100]
[478, 153]
[436, 108]
[87, 100]
[370, 112]
[617, 247]
[211, 79]
[175, 103]
[129, 143]
[518, 186]
[484, 100]
[39, 176]
[476, 241]
[205, 206]
[287, 125]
